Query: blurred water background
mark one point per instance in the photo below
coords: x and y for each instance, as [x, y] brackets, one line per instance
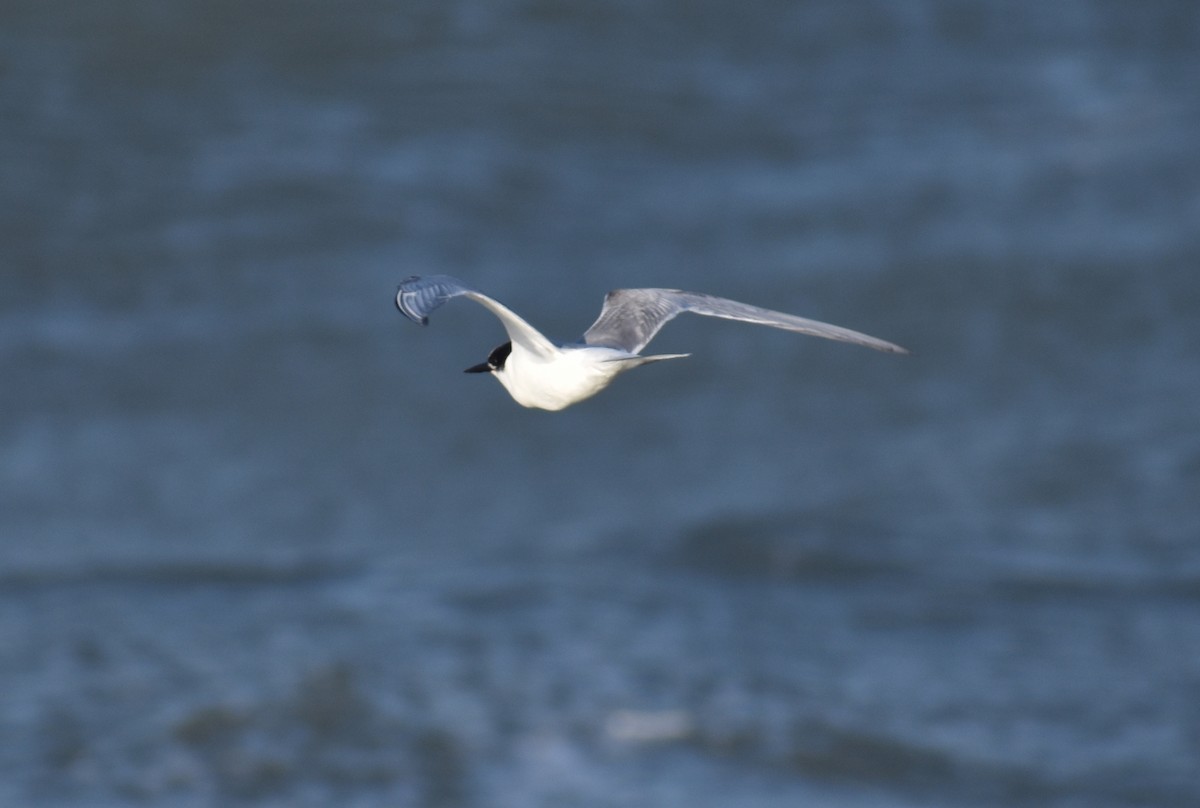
[262, 543]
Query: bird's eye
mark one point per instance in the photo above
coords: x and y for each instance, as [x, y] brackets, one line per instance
[499, 355]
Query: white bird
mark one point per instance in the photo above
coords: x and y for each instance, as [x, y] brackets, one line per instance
[540, 374]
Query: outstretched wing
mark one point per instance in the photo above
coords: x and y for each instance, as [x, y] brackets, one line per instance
[631, 317]
[416, 297]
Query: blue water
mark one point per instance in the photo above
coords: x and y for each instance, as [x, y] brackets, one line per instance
[262, 542]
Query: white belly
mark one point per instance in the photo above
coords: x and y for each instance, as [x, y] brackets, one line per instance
[568, 377]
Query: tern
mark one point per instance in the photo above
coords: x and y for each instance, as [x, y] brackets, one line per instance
[540, 374]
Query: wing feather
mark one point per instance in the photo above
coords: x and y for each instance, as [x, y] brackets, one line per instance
[632, 317]
[417, 297]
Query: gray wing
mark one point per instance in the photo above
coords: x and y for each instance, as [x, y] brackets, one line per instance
[631, 317]
[416, 297]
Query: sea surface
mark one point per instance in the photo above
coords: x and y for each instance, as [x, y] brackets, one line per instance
[262, 543]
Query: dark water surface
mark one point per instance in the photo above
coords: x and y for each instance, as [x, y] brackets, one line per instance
[262, 543]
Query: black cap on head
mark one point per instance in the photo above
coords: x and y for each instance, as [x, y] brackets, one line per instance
[495, 360]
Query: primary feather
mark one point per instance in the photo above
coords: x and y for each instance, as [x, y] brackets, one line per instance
[631, 317]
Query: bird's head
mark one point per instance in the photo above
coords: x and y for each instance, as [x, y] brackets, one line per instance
[495, 360]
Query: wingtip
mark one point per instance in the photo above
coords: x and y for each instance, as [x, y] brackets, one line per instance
[887, 347]
[398, 300]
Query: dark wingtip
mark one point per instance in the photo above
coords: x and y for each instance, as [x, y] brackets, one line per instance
[400, 307]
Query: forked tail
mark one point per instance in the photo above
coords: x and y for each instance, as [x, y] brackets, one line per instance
[642, 360]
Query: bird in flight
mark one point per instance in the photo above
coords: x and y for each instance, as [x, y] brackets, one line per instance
[544, 375]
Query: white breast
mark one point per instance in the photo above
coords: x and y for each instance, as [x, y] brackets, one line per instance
[569, 376]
